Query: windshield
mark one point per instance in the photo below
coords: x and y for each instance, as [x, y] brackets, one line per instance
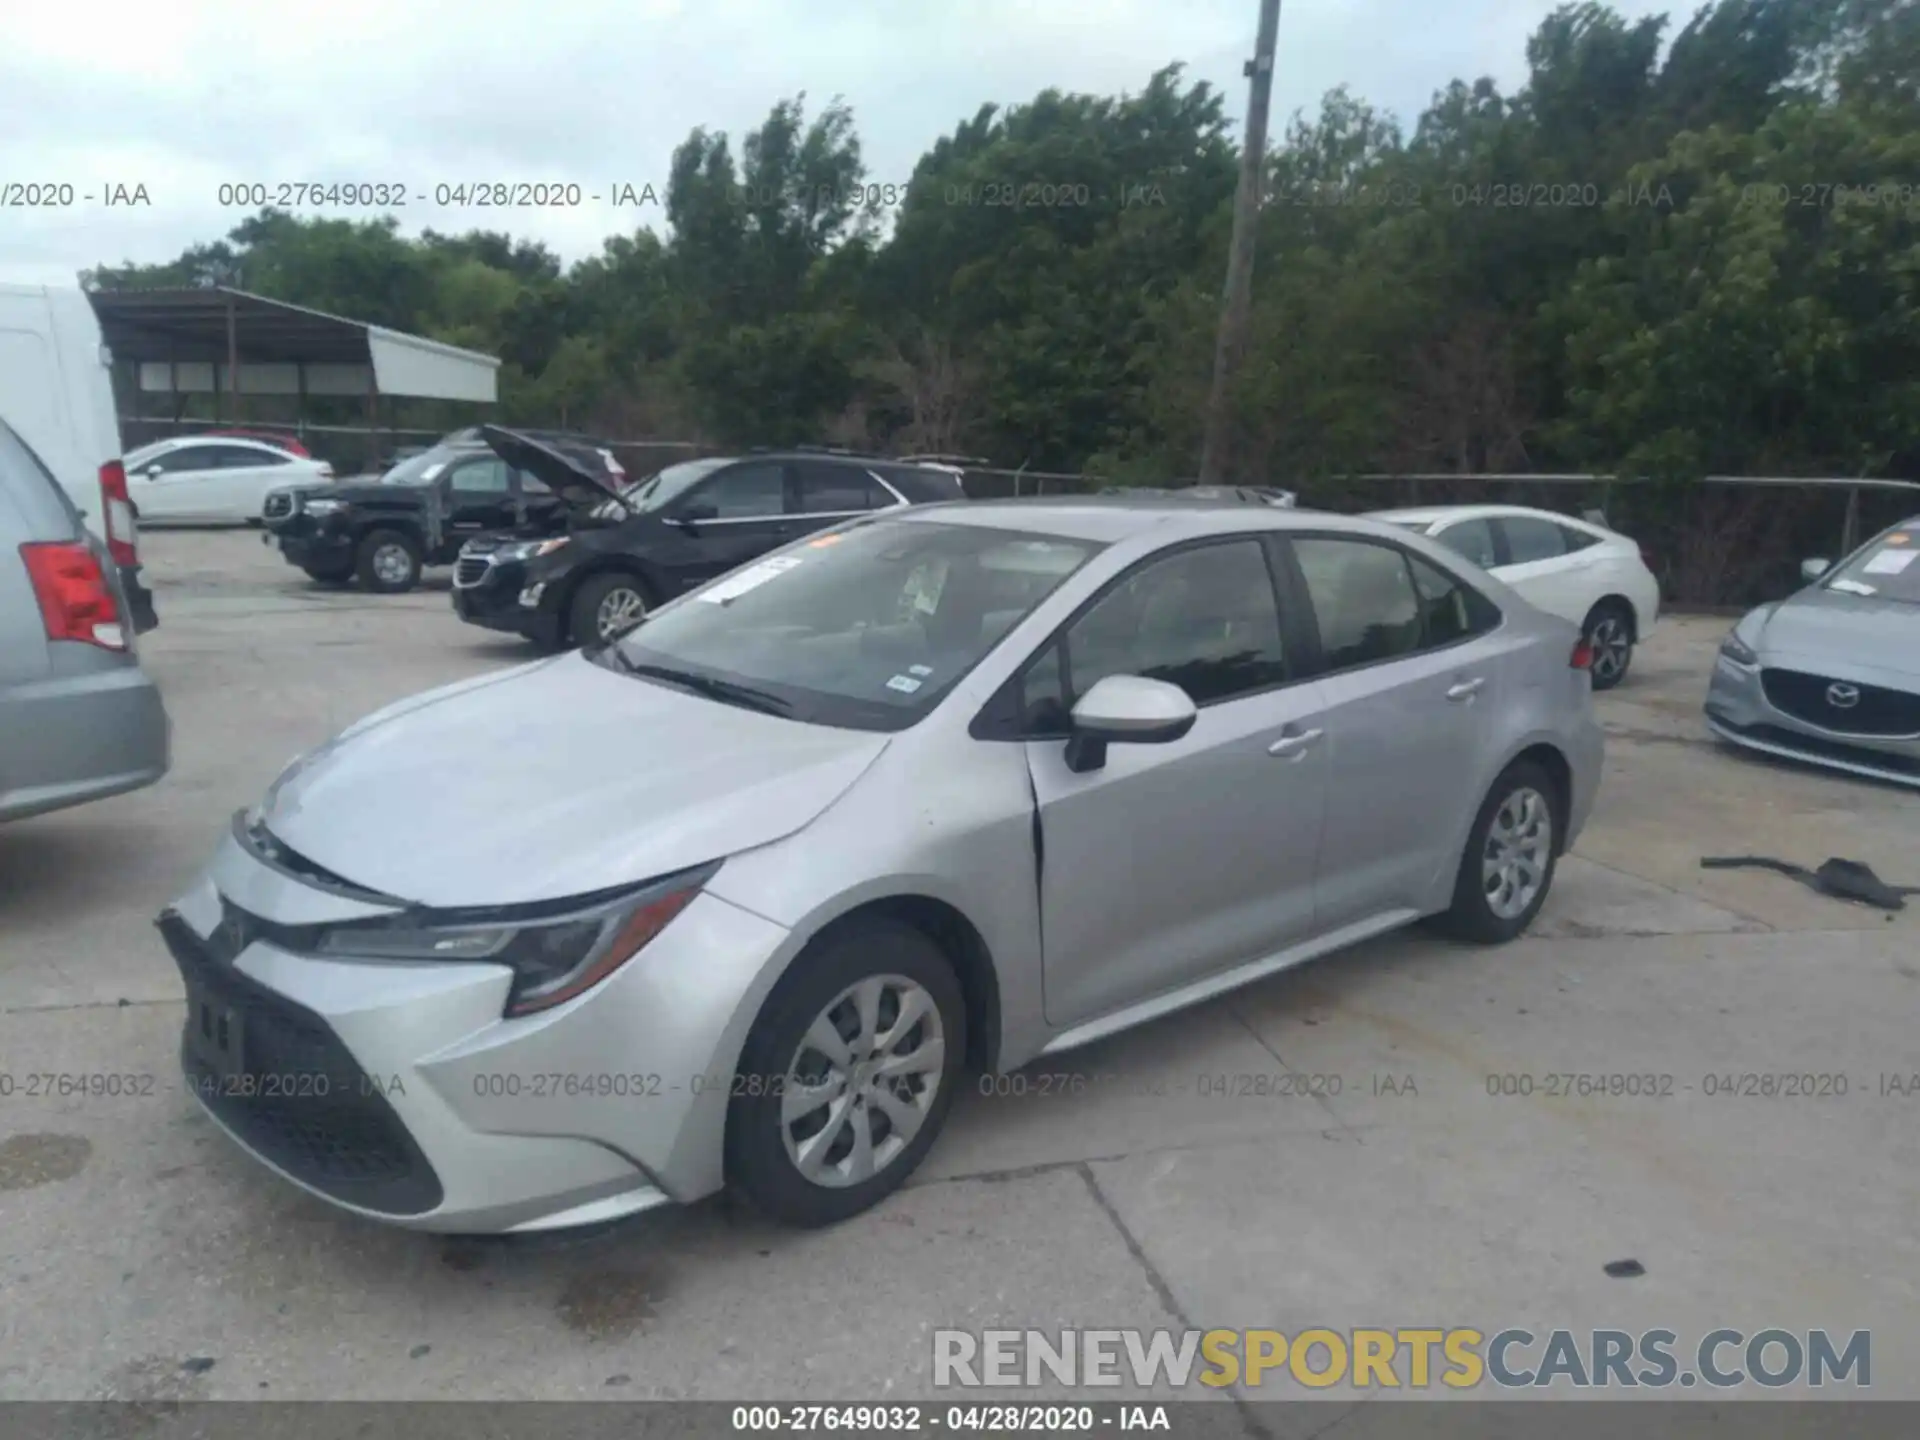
[420, 469]
[658, 489]
[1885, 568]
[865, 627]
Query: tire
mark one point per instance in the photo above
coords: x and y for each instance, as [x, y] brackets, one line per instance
[1474, 915]
[388, 562]
[901, 963]
[1609, 632]
[598, 598]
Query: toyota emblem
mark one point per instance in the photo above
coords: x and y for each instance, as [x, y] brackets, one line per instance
[1842, 696]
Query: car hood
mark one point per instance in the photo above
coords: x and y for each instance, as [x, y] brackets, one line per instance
[572, 479]
[554, 779]
[1832, 633]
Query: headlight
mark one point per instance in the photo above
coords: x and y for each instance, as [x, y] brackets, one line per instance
[323, 507]
[553, 956]
[1738, 651]
[528, 549]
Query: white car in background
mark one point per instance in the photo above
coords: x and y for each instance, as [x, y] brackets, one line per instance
[1571, 568]
[212, 479]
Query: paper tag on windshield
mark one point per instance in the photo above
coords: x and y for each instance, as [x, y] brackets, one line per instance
[752, 578]
[1889, 562]
[906, 684]
[1853, 587]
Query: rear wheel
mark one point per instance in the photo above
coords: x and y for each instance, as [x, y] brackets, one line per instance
[606, 607]
[1507, 867]
[1609, 635]
[847, 1075]
[388, 562]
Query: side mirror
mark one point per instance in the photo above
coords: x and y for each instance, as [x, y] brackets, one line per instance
[1811, 570]
[1126, 710]
[694, 514]
[154, 471]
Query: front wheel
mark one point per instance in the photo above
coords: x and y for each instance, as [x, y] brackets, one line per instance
[605, 608]
[1508, 864]
[388, 562]
[847, 1075]
[1609, 635]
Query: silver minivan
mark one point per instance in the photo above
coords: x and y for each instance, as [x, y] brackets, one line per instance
[79, 718]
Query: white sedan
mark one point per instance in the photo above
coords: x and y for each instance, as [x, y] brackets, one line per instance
[1571, 568]
[212, 480]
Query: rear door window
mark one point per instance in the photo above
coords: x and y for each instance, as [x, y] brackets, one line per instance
[1471, 539]
[1530, 538]
[838, 489]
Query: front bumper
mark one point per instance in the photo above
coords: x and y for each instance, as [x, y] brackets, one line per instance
[398, 1091]
[488, 593]
[1738, 711]
[311, 546]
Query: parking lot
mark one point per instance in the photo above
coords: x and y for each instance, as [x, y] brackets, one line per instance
[143, 1257]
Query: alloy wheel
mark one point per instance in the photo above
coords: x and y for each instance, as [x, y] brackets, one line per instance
[1611, 646]
[863, 1081]
[619, 612]
[1519, 844]
[392, 564]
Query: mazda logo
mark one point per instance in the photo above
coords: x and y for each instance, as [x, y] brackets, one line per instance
[1842, 696]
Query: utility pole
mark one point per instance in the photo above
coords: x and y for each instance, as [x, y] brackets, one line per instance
[1231, 342]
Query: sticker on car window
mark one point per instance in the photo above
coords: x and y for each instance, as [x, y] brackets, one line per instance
[752, 578]
[906, 684]
[1853, 587]
[1888, 562]
[919, 669]
[824, 541]
[1899, 537]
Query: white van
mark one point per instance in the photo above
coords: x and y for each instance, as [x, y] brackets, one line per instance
[56, 391]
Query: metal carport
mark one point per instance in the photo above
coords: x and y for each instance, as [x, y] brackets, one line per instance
[220, 341]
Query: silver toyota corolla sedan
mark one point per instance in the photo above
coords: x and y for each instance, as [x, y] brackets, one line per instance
[1831, 675]
[744, 897]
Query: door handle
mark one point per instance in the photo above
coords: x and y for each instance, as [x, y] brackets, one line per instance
[1465, 689]
[1295, 746]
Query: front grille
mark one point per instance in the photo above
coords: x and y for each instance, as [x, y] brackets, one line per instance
[299, 1099]
[471, 570]
[278, 507]
[1877, 711]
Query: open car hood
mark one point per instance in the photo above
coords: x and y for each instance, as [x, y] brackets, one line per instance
[580, 475]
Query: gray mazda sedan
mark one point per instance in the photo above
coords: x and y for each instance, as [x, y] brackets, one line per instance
[1831, 675]
[929, 795]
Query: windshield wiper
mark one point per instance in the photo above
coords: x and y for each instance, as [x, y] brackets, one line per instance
[728, 692]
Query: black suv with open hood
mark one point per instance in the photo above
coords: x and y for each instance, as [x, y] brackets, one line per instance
[384, 530]
[630, 549]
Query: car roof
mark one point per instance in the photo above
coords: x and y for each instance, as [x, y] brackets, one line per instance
[1428, 514]
[1110, 518]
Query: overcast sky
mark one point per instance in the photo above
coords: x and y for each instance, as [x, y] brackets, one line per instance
[185, 96]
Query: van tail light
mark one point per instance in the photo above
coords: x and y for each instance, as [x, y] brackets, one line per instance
[1582, 657]
[123, 536]
[76, 602]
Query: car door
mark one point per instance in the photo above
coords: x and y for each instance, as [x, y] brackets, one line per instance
[1175, 861]
[1407, 676]
[238, 488]
[181, 484]
[736, 515]
[479, 498]
[1534, 561]
[826, 493]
